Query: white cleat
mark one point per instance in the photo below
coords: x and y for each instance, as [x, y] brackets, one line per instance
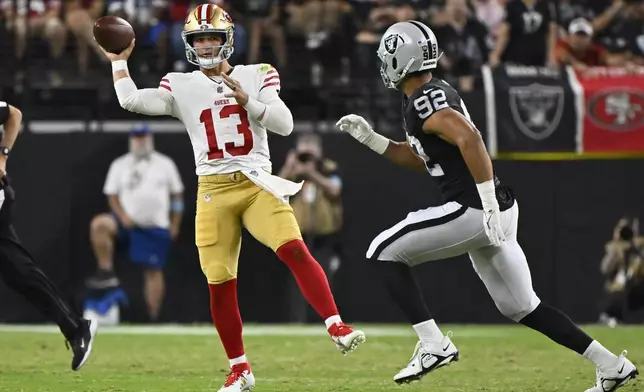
[346, 339]
[610, 380]
[239, 379]
[427, 357]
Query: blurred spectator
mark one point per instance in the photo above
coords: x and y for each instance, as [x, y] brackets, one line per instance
[578, 50]
[491, 13]
[319, 34]
[263, 21]
[151, 22]
[634, 32]
[623, 267]
[79, 17]
[606, 12]
[463, 40]
[144, 191]
[378, 99]
[41, 18]
[317, 208]
[528, 35]
[568, 10]
[623, 25]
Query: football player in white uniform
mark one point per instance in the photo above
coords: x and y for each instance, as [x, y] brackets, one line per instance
[227, 111]
[480, 215]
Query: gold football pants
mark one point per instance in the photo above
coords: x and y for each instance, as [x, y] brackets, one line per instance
[225, 202]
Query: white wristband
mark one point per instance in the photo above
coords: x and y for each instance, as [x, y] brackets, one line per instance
[377, 142]
[256, 108]
[487, 193]
[119, 65]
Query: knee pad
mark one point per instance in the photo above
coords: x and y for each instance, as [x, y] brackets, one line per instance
[218, 273]
[516, 309]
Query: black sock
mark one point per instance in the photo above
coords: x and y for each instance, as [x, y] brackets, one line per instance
[21, 274]
[403, 289]
[558, 327]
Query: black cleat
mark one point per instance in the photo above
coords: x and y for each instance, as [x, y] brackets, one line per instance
[102, 280]
[82, 344]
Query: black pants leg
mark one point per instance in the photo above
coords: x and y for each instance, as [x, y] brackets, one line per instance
[22, 274]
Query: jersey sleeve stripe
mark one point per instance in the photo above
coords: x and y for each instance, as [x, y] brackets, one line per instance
[165, 86]
[269, 85]
[272, 78]
[272, 71]
[165, 80]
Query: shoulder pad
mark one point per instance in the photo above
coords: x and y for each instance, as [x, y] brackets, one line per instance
[429, 100]
[263, 68]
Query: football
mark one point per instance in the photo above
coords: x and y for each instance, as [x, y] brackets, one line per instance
[114, 34]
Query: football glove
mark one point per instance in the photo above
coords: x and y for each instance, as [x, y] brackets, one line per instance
[492, 224]
[491, 212]
[360, 130]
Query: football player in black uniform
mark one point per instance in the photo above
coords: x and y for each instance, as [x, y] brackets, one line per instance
[17, 267]
[479, 217]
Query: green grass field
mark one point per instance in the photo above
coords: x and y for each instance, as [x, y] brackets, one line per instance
[286, 358]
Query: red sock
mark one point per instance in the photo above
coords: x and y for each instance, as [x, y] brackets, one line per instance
[309, 276]
[226, 317]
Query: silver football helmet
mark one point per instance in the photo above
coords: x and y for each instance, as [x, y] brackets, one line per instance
[406, 47]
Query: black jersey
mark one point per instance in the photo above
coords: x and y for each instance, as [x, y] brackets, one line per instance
[443, 160]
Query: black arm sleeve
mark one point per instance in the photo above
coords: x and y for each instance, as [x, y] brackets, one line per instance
[4, 112]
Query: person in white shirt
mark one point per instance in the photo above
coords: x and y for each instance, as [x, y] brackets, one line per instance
[145, 196]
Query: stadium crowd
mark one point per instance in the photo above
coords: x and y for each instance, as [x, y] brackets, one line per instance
[324, 42]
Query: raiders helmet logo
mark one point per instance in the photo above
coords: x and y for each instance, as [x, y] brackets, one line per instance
[391, 43]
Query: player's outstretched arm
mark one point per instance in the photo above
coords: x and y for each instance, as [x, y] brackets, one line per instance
[149, 101]
[397, 152]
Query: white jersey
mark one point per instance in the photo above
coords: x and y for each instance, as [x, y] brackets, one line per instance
[144, 187]
[224, 137]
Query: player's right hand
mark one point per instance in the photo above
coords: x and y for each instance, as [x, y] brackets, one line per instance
[124, 55]
[357, 127]
[492, 225]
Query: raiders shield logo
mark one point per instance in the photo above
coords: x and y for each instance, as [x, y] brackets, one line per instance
[391, 43]
[536, 109]
[619, 109]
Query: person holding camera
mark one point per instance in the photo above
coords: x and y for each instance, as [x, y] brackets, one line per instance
[317, 208]
[623, 268]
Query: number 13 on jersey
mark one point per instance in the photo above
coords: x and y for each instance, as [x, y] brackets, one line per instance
[208, 119]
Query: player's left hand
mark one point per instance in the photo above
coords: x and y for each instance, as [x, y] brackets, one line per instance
[238, 93]
[492, 224]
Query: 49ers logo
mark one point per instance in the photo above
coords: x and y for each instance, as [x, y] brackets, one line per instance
[619, 109]
[226, 17]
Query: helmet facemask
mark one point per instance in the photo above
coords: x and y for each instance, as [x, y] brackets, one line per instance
[218, 53]
[388, 66]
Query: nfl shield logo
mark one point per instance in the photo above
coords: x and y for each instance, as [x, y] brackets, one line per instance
[207, 197]
[220, 89]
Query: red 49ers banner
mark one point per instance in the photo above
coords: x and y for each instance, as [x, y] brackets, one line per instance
[613, 107]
